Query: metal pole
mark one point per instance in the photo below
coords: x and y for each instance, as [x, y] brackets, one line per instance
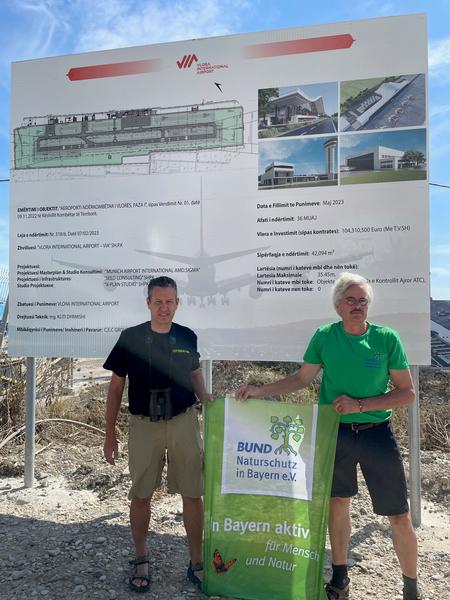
[207, 374]
[30, 419]
[414, 452]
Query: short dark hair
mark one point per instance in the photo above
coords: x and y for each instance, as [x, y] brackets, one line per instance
[163, 282]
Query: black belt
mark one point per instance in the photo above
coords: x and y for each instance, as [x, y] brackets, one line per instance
[362, 426]
[155, 420]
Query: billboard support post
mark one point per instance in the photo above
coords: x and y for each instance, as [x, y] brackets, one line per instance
[30, 421]
[207, 374]
[414, 451]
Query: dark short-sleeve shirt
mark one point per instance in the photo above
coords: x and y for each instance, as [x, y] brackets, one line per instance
[155, 361]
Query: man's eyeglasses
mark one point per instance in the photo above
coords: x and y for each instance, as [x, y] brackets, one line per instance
[354, 301]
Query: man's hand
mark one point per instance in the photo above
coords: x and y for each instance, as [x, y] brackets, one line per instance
[346, 404]
[247, 391]
[205, 397]
[111, 449]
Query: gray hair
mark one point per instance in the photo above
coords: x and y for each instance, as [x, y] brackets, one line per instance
[346, 280]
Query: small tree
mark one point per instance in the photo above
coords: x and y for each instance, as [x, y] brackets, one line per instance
[263, 99]
[414, 157]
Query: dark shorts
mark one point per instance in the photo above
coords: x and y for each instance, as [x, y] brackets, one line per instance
[377, 453]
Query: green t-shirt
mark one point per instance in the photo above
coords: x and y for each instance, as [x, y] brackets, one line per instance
[356, 365]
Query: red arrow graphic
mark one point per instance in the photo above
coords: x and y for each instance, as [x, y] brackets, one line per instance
[114, 70]
[318, 44]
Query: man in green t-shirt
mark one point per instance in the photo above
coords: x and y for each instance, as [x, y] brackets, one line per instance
[359, 359]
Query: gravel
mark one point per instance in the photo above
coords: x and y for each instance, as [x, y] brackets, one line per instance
[69, 538]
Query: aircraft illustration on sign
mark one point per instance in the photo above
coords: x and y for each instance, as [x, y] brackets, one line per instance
[201, 276]
[201, 280]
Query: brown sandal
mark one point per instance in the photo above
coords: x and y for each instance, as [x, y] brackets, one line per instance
[335, 593]
[192, 569]
[144, 579]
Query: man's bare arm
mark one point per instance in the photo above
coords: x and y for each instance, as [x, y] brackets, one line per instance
[298, 380]
[401, 395]
[115, 391]
[198, 383]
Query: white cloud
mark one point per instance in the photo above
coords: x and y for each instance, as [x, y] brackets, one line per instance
[440, 271]
[441, 250]
[439, 110]
[310, 168]
[37, 22]
[361, 10]
[440, 283]
[38, 28]
[349, 141]
[113, 24]
[439, 60]
[438, 151]
[439, 53]
[276, 150]
[440, 292]
[4, 243]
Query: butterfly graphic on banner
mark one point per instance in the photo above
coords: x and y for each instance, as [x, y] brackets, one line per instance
[219, 565]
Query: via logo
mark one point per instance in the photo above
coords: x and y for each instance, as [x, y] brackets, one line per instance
[287, 428]
[186, 61]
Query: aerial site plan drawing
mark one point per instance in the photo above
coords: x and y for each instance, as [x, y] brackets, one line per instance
[107, 138]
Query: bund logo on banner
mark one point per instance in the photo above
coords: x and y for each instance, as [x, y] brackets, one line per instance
[270, 452]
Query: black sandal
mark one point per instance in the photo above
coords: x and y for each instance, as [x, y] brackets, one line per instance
[192, 569]
[145, 579]
[335, 593]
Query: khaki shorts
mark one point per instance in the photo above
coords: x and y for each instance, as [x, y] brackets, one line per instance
[147, 445]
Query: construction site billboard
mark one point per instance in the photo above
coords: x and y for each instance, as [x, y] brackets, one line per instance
[253, 169]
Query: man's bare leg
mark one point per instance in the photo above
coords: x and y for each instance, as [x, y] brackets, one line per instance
[193, 523]
[405, 543]
[339, 529]
[140, 522]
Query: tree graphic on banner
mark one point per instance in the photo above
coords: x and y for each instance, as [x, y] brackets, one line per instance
[287, 428]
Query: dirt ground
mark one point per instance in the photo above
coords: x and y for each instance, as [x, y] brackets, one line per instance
[68, 537]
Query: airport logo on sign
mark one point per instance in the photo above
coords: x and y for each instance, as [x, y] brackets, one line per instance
[186, 61]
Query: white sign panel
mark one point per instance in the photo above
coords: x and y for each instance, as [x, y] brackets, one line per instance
[253, 169]
[268, 449]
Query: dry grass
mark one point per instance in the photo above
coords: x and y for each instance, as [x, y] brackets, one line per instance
[434, 426]
[228, 375]
[88, 404]
[12, 392]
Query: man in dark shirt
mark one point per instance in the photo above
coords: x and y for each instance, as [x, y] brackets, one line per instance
[161, 361]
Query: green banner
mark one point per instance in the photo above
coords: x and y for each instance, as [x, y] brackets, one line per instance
[268, 470]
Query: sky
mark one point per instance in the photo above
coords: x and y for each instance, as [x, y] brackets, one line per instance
[40, 28]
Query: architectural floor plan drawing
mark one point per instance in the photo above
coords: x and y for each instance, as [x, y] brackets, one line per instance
[76, 140]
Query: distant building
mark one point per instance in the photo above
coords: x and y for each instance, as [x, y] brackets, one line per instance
[277, 173]
[330, 157]
[293, 107]
[375, 159]
[282, 174]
